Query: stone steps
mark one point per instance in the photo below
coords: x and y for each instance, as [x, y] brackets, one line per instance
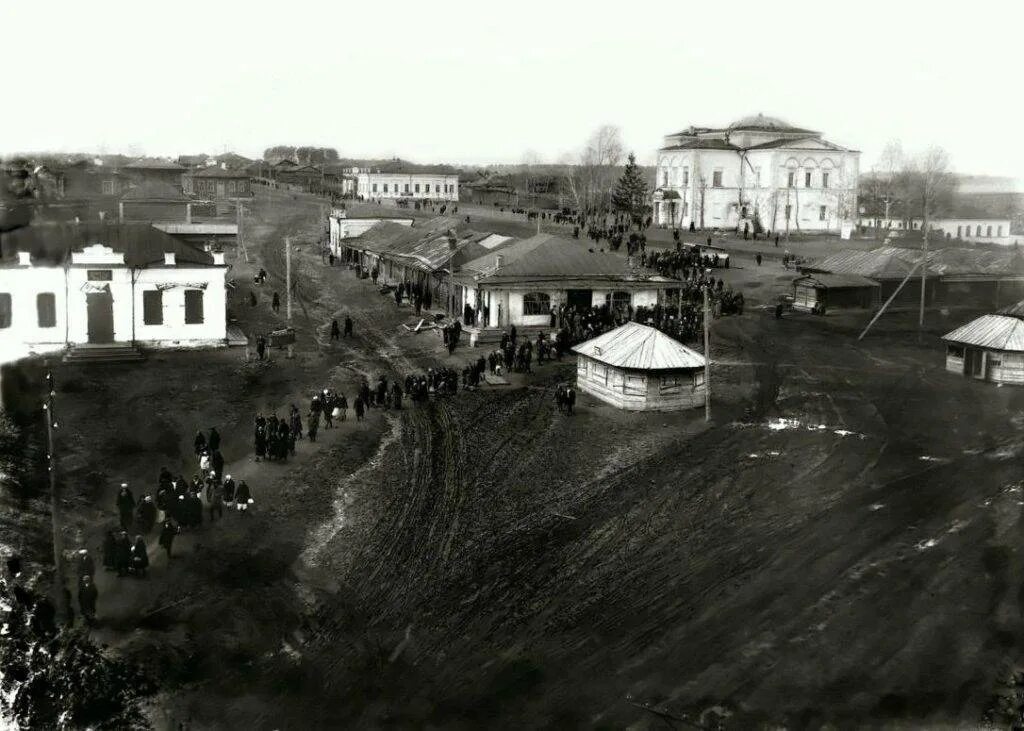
[107, 353]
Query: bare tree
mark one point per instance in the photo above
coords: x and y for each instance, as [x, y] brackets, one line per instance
[594, 169]
[884, 182]
[531, 158]
[926, 181]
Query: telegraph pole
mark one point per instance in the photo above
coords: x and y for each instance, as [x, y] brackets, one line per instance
[707, 357]
[288, 277]
[56, 510]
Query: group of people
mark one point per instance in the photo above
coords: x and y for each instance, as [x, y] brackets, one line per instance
[178, 504]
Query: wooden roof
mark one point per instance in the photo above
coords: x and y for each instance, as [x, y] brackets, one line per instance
[639, 347]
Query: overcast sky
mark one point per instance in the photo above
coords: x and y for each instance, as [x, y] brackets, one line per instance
[481, 82]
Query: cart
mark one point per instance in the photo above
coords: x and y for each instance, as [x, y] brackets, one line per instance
[280, 338]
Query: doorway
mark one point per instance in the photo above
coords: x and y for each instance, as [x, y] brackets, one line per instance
[100, 311]
[974, 363]
[579, 298]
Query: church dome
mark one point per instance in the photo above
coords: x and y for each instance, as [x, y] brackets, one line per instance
[760, 121]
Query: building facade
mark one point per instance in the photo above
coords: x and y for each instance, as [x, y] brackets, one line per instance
[758, 172]
[216, 183]
[414, 185]
[134, 284]
[638, 368]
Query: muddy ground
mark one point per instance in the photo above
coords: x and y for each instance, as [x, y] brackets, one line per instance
[838, 545]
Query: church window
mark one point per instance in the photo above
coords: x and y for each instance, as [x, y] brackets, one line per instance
[664, 177]
[716, 179]
[824, 180]
[686, 176]
[821, 213]
[791, 179]
[807, 179]
[988, 231]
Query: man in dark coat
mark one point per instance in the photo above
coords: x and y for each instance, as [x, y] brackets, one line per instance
[348, 326]
[146, 514]
[126, 505]
[167, 533]
[213, 443]
[122, 553]
[87, 596]
[217, 463]
[335, 330]
[199, 443]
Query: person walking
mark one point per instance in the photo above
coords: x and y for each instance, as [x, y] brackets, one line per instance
[359, 408]
[87, 597]
[275, 305]
[335, 330]
[243, 497]
[215, 498]
[348, 326]
[140, 557]
[167, 533]
[126, 506]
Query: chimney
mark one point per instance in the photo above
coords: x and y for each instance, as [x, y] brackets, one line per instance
[218, 258]
[169, 258]
[24, 259]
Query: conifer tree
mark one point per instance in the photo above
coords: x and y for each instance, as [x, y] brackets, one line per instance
[630, 194]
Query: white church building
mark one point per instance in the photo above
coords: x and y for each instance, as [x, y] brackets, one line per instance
[759, 172]
[106, 284]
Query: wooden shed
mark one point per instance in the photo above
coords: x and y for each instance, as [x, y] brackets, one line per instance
[639, 368]
[990, 348]
[820, 292]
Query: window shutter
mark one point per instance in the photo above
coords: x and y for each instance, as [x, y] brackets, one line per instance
[153, 307]
[193, 306]
[46, 309]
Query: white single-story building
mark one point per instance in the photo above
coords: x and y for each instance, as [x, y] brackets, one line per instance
[95, 284]
[639, 368]
[526, 283]
[989, 348]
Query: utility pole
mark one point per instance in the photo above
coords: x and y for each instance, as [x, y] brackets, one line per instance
[56, 510]
[924, 269]
[288, 277]
[238, 225]
[707, 357]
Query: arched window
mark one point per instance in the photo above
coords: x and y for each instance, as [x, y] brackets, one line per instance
[536, 303]
[618, 300]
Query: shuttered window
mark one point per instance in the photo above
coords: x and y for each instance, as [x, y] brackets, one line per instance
[153, 307]
[193, 306]
[46, 309]
[5, 310]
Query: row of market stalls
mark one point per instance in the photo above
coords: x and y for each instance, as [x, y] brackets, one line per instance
[953, 277]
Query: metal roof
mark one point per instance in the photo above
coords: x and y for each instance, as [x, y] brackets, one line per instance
[546, 256]
[996, 332]
[886, 262]
[141, 243]
[639, 347]
[1014, 310]
[837, 281]
[154, 163]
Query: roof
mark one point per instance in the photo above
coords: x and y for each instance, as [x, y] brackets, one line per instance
[141, 243]
[155, 190]
[1014, 310]
[219, 172]
[795, 144]
[838, 281]
[997, 332]
[153, 163]
[640, 347]
[704, 144]
[546, 256]
[759, 122]
[885, 262]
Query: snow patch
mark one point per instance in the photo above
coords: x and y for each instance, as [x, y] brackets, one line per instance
[876, 506]
[925, 545]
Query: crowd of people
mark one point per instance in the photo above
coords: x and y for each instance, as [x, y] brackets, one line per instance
[178, 504]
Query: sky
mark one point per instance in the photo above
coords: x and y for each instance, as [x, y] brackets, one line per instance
[480, 82]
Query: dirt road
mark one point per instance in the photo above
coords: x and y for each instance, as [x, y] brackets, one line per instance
[838, 545]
